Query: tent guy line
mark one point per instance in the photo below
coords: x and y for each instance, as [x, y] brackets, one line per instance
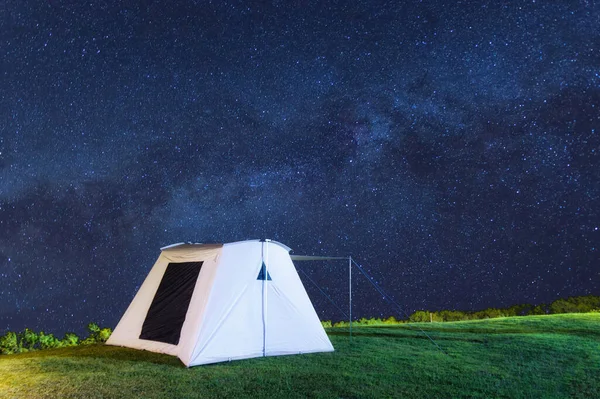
[209, 303]
[323, 292]
[369, 278]
[391, 300]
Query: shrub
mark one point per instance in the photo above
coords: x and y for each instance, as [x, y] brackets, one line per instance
[9, 344]
[28, 339]
[70, 339]
[97, 334]
[539, 310]
[452, 315]
[579, 304]
[368, 322]
[103, 335]
[48, 341]
[420, 316]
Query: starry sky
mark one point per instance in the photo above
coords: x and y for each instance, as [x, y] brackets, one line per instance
[451, 147]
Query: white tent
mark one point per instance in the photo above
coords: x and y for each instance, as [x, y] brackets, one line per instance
[208, 303]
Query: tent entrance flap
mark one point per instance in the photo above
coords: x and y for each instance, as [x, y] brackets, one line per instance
[166, 315]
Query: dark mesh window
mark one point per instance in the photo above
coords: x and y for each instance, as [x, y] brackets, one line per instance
[170, 304]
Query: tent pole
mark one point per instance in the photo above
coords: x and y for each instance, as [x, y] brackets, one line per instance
[264, 296]
[350, 294]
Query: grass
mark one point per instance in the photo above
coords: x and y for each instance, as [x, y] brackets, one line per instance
[554, 356]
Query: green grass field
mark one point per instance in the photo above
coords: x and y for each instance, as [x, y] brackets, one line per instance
[521, 357]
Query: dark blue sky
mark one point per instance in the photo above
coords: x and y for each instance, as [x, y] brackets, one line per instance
[451, 147]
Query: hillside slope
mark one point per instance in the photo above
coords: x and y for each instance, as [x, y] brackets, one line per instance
[524, 357]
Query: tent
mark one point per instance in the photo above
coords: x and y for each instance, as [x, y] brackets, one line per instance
[208, 303]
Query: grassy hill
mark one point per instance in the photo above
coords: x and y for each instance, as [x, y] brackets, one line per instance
[554, 356]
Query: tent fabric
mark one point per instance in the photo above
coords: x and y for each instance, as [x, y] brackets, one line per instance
[232, 314]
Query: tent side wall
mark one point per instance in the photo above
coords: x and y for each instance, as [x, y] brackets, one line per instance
[198, 304]
[293, 325]
[231, 328]
[242, 308]
[127, 333]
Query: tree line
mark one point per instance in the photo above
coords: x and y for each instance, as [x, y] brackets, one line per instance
[28, 340]
[577, 304]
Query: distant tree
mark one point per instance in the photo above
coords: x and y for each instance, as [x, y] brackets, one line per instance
[489, 313]
[9, 343]
[93, 328]
[48, 341]
[585, 303]
[420, 316]
[452, 315]
[538, 310]
[70, 339]
[563, 306]
[341, 324]
[103, 335]
[518, 310]
[579, 304]
[97, 334]
[28, 339]
[368, 322]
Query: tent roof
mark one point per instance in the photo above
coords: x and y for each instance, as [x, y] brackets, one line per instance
[310, 257]
[180, 245]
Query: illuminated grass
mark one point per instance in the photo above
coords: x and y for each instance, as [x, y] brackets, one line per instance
[524, 357]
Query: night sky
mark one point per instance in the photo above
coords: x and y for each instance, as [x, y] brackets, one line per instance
[451, 147]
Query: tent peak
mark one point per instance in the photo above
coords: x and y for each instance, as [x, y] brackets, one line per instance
[180, 245]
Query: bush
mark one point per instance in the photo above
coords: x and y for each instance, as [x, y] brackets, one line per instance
[103, 335]
[70, 339]
[368, 322]
[518, 310]
[392, 320]
[579, 304]
[97, 334]
[452, 315]
[28, 339]
[48, 341]
[539, 310]
[420, 316]
[9, 344]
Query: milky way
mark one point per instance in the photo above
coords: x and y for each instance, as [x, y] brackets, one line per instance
[452, 148]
